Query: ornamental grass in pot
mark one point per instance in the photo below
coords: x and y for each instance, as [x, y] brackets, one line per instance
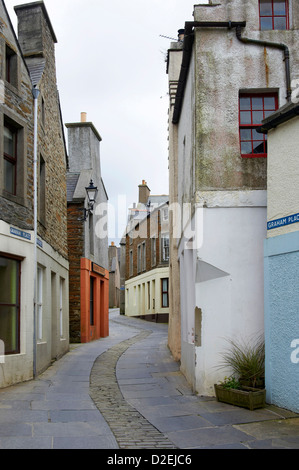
[247, 361]
[246, 386]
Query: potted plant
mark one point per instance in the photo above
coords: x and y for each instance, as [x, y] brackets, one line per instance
[246, 387]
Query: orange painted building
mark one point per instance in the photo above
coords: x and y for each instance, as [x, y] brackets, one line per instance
[88, 249]
[94, 301]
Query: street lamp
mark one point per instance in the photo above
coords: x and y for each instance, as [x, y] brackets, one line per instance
[92, 192]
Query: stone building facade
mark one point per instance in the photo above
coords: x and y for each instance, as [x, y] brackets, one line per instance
[147, 258]
[33, 221]
[87, 236]
[237, 62]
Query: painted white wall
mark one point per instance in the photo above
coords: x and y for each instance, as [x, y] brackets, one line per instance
[19, 368]
[224, 279]
[55, 268]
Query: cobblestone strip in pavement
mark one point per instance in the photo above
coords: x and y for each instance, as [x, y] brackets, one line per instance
[130, 428]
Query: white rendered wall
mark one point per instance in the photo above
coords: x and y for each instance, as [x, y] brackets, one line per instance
[19, 368]
[227, 275]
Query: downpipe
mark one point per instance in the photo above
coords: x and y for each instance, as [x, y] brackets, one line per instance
[35, 93]
[276, 45]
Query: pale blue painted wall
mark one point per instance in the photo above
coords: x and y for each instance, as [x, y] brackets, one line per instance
[282, 320]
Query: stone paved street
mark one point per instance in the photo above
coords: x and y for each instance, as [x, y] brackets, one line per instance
[126, 392]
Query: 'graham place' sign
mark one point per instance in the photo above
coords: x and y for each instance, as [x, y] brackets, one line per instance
[291, 219]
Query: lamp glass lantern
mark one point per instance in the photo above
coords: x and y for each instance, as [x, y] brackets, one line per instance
[92, 192]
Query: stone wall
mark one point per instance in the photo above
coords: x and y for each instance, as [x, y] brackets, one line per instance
[76, 250]
[35, 24]
[17, 108]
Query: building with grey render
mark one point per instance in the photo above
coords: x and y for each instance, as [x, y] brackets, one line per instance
[233, 68]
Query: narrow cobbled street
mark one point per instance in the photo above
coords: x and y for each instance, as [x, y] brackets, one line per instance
[126, 392]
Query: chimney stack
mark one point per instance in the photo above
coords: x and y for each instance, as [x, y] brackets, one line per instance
[144, 193]
[83, 117]
[33, 22]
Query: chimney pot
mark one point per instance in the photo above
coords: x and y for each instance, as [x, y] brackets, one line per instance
[181, 35]
[83, 117]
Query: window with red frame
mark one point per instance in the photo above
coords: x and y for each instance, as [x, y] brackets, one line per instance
[254, 108]
[274, 14]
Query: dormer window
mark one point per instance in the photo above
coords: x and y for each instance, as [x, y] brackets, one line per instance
[274, 14]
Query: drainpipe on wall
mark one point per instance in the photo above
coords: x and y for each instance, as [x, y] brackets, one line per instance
[283, 47]
[187, 51]
[35, 93]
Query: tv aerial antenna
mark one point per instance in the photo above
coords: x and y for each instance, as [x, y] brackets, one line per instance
[167, 37]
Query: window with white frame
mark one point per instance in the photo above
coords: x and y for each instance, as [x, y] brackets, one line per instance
[165, 292]
[154, 251]
[165, 247]
[165, 214]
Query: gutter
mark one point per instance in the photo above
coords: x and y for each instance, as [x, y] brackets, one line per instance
[187, 52]
[283, 115]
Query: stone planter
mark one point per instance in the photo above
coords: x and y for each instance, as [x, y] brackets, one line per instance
[246, 398]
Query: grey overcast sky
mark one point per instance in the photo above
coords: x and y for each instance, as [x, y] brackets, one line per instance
[111, 64]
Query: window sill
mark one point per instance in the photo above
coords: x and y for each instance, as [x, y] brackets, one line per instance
[13, 198]
[261, 155]
[14, 89]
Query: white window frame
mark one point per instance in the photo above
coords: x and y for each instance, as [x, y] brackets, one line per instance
[165, 247]
[165, 214]
[154, 251]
